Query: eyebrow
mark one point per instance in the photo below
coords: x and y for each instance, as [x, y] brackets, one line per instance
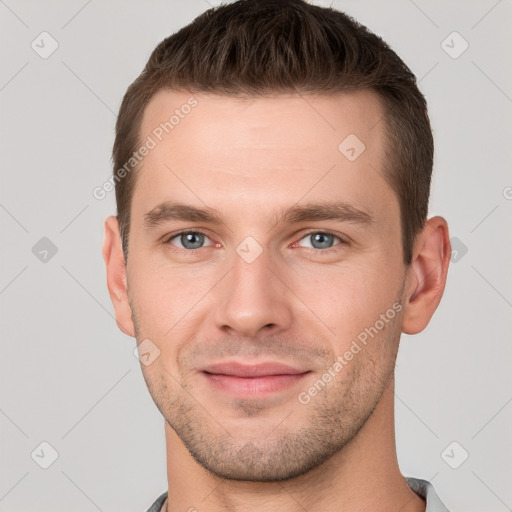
[169, 211]
[339, 211]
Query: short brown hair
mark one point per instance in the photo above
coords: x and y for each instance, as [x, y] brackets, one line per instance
[263, 47]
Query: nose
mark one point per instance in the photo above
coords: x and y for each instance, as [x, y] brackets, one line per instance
[253, 298]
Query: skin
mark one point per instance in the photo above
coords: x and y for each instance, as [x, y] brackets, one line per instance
[249, 160]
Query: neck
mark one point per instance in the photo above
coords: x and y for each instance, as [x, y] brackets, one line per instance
[364, 475]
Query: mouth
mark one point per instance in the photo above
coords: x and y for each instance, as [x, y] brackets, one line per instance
[249, 380]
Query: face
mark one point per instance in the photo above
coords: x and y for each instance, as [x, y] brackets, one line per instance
[260, 256]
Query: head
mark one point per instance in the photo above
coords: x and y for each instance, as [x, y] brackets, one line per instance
[294, 147]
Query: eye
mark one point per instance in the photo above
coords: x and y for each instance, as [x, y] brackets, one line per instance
[189, 240]
[321, 240]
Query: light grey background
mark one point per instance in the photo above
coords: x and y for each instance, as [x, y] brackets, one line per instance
[68, 375]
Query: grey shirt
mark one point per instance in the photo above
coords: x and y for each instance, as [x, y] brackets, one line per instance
[422, 488]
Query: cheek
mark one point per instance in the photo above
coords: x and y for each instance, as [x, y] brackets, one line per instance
[348, 300]
[165, 298]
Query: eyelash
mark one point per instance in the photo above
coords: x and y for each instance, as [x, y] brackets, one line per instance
[315, 251]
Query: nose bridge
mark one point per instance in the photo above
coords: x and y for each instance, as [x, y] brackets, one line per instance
[252, 295]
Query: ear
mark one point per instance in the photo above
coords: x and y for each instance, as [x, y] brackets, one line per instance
[116, 276]
[426, 275]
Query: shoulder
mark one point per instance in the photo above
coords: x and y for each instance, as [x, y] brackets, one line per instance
[426, 490]
[157, 505]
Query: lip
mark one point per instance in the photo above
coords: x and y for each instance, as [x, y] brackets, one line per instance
[236, 369]
[254, 380]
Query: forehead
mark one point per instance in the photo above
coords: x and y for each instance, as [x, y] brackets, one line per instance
[280, 148]
[255, 121]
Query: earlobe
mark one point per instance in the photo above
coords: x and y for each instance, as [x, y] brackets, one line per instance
[426, 275]
[116, 276]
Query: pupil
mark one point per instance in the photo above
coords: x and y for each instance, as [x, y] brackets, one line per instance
[321, 240]
[191, 240]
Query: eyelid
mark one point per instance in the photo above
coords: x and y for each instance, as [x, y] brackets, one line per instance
[172, 236]
[342, 239]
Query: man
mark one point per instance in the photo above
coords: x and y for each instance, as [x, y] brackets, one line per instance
[272, 166]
